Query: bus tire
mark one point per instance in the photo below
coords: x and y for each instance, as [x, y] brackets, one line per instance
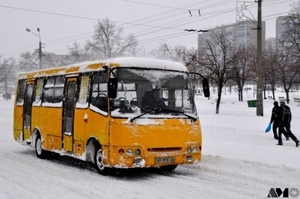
[98, 159]
[169, 167]
[40, 152]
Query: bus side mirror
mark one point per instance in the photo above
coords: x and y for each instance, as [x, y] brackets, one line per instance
[205, 85]
[112, 87]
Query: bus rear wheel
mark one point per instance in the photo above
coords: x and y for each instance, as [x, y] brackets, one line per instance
[40, 152]
[169, 167]
[98, 159]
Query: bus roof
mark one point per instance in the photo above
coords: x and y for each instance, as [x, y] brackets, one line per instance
[99, 64]
[147, 63]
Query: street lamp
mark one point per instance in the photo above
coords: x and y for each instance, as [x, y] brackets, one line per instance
[40, 45]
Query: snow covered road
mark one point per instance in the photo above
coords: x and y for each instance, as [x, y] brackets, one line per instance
[239, 161]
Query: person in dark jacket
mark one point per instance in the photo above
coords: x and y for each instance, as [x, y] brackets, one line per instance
[285, 124]
[275, 121]
[151, 100]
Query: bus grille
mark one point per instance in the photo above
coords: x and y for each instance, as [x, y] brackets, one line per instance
[164, 149]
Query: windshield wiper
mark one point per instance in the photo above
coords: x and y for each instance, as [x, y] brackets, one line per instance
[182, 112]
[164, 109]
[149, 111]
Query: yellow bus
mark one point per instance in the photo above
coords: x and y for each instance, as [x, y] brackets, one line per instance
[101, 112]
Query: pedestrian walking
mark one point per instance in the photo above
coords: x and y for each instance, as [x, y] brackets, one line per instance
[276, 120]
[285, 124]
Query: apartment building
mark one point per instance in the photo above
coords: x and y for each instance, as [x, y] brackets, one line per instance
[243, 34]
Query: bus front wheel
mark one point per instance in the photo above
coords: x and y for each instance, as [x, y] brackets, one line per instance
[101, 168]
[40, 153]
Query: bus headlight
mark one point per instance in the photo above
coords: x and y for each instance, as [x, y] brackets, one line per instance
[195, 149]
[137, 152]
[129, 152]
[189, 150]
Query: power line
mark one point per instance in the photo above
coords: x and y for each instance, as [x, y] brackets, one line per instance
[166, 26]
[156, 5]
[81, 17]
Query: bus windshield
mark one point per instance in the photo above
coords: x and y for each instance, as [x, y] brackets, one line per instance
[152, 93]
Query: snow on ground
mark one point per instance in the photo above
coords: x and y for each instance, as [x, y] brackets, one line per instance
[239, 160]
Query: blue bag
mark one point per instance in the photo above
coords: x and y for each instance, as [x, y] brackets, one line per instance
[268, 128]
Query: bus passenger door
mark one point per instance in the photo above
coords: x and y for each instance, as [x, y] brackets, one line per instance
[27, 112]
[68, 114]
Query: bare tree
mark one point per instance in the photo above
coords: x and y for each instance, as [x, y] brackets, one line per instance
[77, 54]
[7, 75]
[218, 58]
[267, 75]
[292, 27]
[291, 35]
[287, 66]
[271, 56]
[109, 42]
[29, 61]
[179, 53]
[165, 51]
[168, 52]
[51, 60]
[193, 63]
[241, 70]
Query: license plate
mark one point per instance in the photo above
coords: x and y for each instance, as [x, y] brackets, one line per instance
[165, 160]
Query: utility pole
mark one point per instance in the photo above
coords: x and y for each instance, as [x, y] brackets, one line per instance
[40, 49]
[259, 97]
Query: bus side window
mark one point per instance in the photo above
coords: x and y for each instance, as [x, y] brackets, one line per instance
[59, 89]
[54, 90]
[38, 92]
[83, 92]
[21, 92]
[99, 91]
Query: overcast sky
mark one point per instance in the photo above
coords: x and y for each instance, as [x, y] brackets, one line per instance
[62, 22]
